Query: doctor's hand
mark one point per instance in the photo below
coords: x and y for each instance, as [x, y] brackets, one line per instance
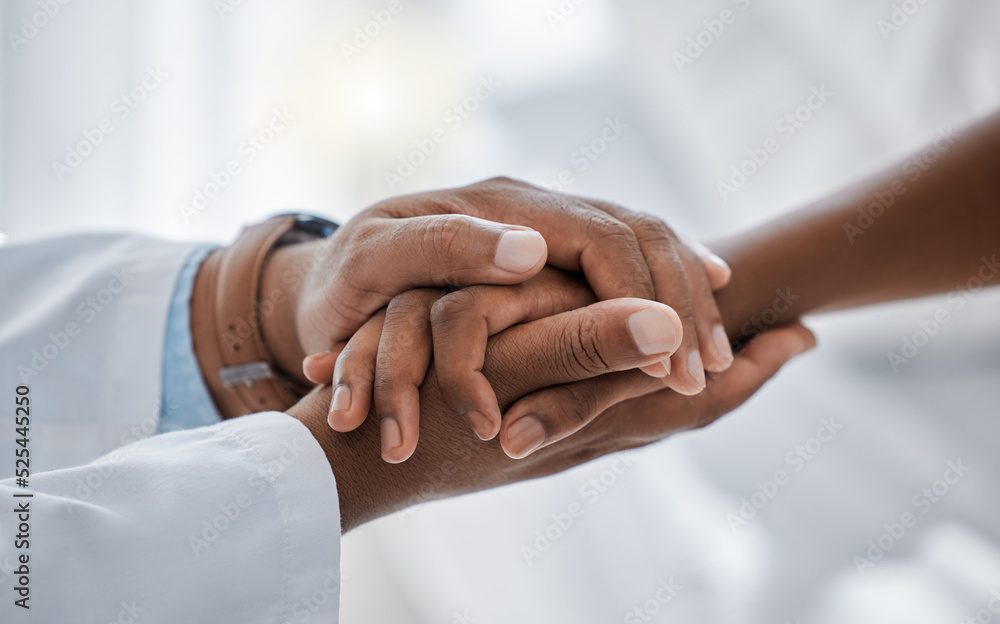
[545, 353]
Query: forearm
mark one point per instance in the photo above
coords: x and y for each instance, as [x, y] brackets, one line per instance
[895, 235]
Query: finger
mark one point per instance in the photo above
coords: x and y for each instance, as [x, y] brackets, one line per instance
[318, 367]
[404, 353]
[604, 337]
[672, 280]
[354, 376]
[659, 247]
[579, 237]
[713, 344]
[364, 265]
[462, 322]
[449, 249]
[551, 414]
[716, 268]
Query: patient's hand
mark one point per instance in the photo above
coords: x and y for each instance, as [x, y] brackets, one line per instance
[574, 349]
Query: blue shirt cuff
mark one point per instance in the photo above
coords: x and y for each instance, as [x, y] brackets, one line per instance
[185, 402]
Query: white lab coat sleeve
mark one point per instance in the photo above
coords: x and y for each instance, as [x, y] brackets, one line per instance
[82, 323]
[238, 522]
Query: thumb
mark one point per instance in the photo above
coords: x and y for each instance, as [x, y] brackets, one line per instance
[608, 336]
[455, 250]
[318, 367]
[383, 257]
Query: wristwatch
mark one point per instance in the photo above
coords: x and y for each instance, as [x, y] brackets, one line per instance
[240, 371]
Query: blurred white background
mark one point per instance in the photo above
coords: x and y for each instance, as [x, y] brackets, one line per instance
[320, 118]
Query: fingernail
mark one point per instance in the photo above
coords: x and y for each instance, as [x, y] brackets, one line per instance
[339, 405]
[341, 398]
[653, 331]
[803, 347]
[391, 435]
[316, 356]
[525, 436]
[695, 368]
[482, 425]
[666, 364]
[719, 262]
[722, 346]
[519, 250]
[657, 370]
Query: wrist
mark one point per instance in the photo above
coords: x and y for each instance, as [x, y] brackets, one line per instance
[280, 292]
[367, 487]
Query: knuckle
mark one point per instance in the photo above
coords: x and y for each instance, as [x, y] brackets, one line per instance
[418, 300]
[451, 307]
[388, 385]
[646, 226]
[601, 226]
[441, 235]
[503, 181]
[583, 355]
[579, 405]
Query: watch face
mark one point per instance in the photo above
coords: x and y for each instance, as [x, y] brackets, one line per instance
[317, 226]
[307, 227]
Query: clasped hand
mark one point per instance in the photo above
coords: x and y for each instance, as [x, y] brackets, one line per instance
[604, 290]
